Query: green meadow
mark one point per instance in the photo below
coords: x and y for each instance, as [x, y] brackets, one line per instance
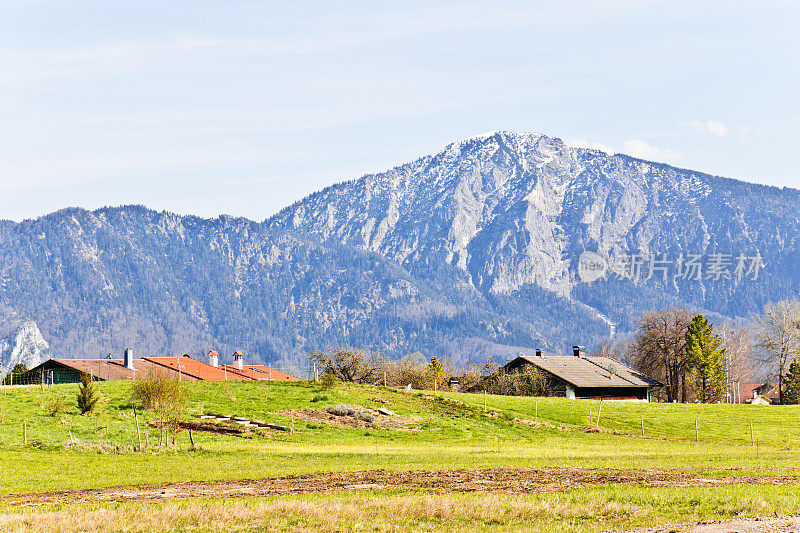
[66, 451]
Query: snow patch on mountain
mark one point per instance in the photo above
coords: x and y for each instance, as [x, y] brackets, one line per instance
[23, 343]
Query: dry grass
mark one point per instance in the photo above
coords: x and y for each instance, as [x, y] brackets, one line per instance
[594, 509]
[363, 513]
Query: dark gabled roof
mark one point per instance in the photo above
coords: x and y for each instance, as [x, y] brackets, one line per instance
[108, 369]
[587, 371]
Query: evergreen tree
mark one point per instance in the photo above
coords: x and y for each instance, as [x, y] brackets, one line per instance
[792, 382]
[87, 393]
[437, 371]
[705, 358]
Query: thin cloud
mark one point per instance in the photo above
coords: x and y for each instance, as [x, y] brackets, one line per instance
[644, 150]
[714, 128]
[633, 147]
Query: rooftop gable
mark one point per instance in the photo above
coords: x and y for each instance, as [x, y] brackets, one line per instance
[588, 371]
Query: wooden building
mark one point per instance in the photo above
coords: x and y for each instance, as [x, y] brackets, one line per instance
[580, 376]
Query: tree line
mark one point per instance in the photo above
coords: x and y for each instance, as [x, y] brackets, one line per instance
[695, 359]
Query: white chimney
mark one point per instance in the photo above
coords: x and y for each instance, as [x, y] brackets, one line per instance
[579, 351]
[238, 360]
[539, 352]
[213, 358]
[128, 359]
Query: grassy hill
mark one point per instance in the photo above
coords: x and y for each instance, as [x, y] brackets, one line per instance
[449, 431]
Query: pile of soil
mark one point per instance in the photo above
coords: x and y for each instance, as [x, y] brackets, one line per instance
[379, 421]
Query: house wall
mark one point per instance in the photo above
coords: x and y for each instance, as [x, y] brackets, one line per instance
[51, 372]
[613, 393]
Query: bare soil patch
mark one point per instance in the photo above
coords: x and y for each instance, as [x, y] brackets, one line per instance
[380, 421]
[499, 480]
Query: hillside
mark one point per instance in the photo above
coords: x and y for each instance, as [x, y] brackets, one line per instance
[511, 213]
[471, 252]
[94, 282]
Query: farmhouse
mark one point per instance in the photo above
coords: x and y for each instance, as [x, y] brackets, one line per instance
[580, 376]
[755, 393]
[183, 367]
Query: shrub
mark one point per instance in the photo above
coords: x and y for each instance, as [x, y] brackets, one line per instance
[56, 406]
[318, 398]
[328, 380]
[165, 395]
[87, 394]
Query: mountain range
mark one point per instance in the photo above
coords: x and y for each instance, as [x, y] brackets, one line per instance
[472, 252]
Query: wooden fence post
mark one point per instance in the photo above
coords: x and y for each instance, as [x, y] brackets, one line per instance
[642, 425]
[599, 410]
[138, 432]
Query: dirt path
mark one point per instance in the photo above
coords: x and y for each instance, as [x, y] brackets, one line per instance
[509, 480]
[752, 525]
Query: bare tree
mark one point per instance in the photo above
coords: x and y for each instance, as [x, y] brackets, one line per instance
[660, 350]
[740, 364]
[526, 381]
[777, 335]
[349, 364]
[620, 349]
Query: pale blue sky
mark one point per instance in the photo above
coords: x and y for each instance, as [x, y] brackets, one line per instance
[244, 107]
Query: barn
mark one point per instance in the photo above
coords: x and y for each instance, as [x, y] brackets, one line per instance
[587, 377]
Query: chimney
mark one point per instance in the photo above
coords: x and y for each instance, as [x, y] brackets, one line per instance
[539, 352]
[238, 360]
[579, 351]
[129, 358]
[213, 358]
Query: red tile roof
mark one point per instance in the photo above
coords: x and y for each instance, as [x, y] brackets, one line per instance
[187, 368]
[262, 372]
[746, 391]
[196, 369]
[768, 391]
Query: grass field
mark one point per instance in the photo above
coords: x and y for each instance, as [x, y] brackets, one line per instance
[447, 435]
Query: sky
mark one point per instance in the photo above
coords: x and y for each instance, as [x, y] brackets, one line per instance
[244, 107]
